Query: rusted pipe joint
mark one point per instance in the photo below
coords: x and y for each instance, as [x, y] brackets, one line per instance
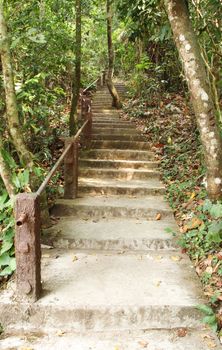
[22, 219]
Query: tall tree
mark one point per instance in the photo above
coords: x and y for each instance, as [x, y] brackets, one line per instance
[77, 73]
[200, 92]
[111, 86]
[25, 156]
[11, 104]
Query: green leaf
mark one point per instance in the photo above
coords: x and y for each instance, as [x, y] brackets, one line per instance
[4, 259]
[7, 271]
[216, 211]
[15, 42]
[16, 181]
[215, 227]
[8, 159]
[3, 198]
[168, 230]
[23, 178]
[12, 264]
[205, 309]
[36, 36]
[6, 245]
[207, 205]
[211, 321]
[26, 177]
[214, 237]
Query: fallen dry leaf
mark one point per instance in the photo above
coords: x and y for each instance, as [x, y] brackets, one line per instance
[182, 332]
[74, 258]
[198, 270]
[158, 258]
[196, 222]
[209, 341]
[193, 195]
[211, 344]
[158, 216]
[158, 283]
[45, 256]
[209, 269]
[206, 336]
[60, 333]
[143, 343]
[219, 256]
[175, 257]
[208, 261]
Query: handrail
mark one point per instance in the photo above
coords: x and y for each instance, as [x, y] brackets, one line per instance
[101, 76]
[28, 213]
[89, 86]
[60, 160]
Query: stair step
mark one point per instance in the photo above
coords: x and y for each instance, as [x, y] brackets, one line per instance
[160, 339]
[113, 187]
[121, 145]
[107, 112]
[120, 154]
[110, 207]
[120, 137]
[102, 106]
[74, 233]
[104, 292]
[114, 278]
[112, 126]
[104, 163]
[100, 101]
[106, 120]
[106, 117]
[126, 174]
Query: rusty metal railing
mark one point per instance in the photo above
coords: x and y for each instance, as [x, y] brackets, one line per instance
[27, 208]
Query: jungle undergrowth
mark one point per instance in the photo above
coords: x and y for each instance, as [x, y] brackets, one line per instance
[168, 123]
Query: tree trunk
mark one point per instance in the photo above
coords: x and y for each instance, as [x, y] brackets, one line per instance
[111, 87]
[5, 174]
[11, 104]
[200, 92]
[77, 74]
[26, 157]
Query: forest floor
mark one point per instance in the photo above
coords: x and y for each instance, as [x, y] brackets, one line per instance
[169, 125]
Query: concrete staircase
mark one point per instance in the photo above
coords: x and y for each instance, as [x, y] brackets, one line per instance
[115, 279]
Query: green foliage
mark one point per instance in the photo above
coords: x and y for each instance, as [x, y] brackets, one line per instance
[207, 238]
[1, 329]
[7, 260]
[20, 179]
[210, 316]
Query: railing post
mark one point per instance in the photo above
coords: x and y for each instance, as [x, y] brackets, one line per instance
[71, 169]
[101, 80]
[27, 246]
[104, 77]
[87, 115]
[98, 84]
